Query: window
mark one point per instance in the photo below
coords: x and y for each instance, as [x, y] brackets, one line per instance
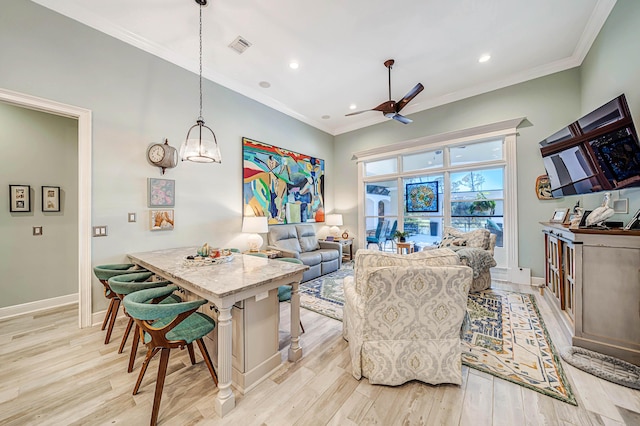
[420, 187]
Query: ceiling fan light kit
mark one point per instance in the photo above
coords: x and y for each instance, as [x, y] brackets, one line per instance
[200, 145]
[391, 108]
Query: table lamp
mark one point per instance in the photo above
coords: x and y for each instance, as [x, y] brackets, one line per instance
[334, 220]
[255, 225]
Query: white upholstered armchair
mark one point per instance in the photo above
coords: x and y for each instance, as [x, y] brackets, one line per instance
[403, 314]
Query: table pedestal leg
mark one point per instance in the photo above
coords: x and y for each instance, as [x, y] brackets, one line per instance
[226, 399]
[295, 351]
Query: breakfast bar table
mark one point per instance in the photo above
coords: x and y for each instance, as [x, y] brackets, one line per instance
[244, 291]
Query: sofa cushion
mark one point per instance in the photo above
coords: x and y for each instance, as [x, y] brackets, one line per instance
[311, 258]
[478, 238]
[328, 254]
[307, 238]
[284, 237]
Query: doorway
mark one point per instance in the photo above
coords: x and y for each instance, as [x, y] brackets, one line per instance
[83, 116]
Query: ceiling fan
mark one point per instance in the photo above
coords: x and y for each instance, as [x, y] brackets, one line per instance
[391, 108]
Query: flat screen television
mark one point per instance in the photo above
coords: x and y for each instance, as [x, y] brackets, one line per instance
[598, 152]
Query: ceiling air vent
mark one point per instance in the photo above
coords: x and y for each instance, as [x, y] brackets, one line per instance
[240, 44]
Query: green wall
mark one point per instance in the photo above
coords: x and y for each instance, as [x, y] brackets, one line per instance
[38, 149]
[549, 103]
[137, 99]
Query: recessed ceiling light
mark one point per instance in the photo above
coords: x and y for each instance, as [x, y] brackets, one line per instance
[353, 106]
[264, 84]
[293, 65]
[326, 117]
[484, 58]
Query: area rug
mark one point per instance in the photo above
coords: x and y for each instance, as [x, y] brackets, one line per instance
[325, 294]
[506, 337]
[604, 366]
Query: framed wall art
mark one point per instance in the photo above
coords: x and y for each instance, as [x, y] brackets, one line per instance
[50, 198]
[559, 216]
[161, 192]
[162, 220]
[284, 186]
[19, 198]
[543, 188]
[422, 197]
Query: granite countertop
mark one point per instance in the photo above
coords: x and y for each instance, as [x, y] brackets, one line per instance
[221, 280]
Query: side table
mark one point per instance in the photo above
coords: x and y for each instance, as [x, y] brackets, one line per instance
[346, 242]
[407, 246]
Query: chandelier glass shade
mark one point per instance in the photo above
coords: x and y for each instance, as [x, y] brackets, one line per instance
[200, 145]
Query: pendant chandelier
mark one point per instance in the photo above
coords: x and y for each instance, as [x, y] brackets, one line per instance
[200, 145]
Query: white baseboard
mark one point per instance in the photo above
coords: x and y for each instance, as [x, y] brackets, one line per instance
[38, 305]
[98, 317]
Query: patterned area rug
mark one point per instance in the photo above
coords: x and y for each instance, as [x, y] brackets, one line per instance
[507, 338]
[505, 335]
[325, 294]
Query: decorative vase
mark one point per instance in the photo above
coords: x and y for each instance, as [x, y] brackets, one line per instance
[402, 239]
[319, 215]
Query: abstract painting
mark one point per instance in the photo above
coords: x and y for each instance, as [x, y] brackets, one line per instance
[284, 186]
[422, 197]
[162, 192]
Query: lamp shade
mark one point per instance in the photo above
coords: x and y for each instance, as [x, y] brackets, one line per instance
[255, 225]
[334, 220]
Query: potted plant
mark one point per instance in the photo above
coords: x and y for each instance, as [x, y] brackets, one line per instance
[482, 205]
[401, 236]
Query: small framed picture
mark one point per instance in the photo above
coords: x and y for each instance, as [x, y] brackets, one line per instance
[162, 192]
[50, 198]
[162, 220]
[19, 198]
[559, 216]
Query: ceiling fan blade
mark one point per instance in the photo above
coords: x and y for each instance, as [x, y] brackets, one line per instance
[385, 107]
[358, 112]
[407, 98]
[400, 118]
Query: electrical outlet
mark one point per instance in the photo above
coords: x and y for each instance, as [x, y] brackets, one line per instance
[37, 230]
[132, 217]
[100, 231]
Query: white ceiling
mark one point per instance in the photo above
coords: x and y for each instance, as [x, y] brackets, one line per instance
[341, 46]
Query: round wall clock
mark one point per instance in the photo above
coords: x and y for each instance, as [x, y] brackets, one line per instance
[163, 155]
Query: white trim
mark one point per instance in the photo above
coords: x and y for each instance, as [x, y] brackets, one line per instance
[38, 305]
[596, 21]
[84, 187]
[510, 214]
[499, 129]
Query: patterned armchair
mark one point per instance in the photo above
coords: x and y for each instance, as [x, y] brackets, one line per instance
[403, 314]
[475, 249]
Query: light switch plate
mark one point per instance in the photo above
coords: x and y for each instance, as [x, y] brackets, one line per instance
[37, 230]
[132, 217]
[100, 231]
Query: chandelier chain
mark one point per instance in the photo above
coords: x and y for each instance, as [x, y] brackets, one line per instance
[200, 117]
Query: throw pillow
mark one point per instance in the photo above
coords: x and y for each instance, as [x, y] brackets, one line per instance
[478, 238]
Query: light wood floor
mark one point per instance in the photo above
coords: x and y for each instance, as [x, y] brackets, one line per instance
[52, 373]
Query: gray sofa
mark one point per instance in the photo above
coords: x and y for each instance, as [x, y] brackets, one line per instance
[300, 242]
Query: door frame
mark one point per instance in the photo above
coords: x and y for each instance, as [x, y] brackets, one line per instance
[84, 187]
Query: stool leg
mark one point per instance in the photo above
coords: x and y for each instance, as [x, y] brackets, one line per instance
[107, 314]
[302, 326]
[134, 348]
[114, 314]
[207, 360]
[145, 364]
[126, 335]
[162, 372]
[192, 356]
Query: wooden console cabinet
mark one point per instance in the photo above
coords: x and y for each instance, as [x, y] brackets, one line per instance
[593, 282]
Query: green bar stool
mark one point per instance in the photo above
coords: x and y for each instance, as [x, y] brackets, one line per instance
[168, 326]
[284, 291]
[126, 284]
[103, 273]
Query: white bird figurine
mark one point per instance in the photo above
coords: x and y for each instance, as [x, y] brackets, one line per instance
[600, 214]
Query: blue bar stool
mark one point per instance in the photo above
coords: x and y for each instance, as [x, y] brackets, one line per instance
[168, 326]
[103, 273]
